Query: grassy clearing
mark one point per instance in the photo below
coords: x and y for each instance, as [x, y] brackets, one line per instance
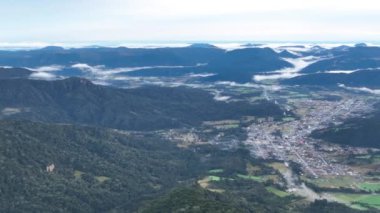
[363, 156]
[376, 160]
[78, 174]
[205, 183]
[279, 167]
[370, 186]
[215, 171]
[336, 182]
[348, 197]
[251, 177]
[227, 126]
[274, 178]
[360, 200]
[372, 200]
[358, 207]
[246, 90]
[101, 179]
[214, 178]
[287, 119]
[251, 169]
[217, 190]
[221, 122]
[277, 191]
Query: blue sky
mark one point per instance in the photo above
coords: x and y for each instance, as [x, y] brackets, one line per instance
[197, 20]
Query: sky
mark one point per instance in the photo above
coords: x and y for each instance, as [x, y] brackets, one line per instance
[91, 21]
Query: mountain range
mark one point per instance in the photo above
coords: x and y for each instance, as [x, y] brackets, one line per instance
[238, 65]
[69, 144]
[79, 101]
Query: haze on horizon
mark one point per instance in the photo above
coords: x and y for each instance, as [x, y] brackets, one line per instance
[196, 20]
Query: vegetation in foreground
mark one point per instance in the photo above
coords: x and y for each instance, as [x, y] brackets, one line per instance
[100, 170]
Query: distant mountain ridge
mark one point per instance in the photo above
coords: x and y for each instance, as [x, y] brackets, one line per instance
[238, 65]
[14, 73]
[359, 132]
[347, 58]
[110, 57]
[360, 78]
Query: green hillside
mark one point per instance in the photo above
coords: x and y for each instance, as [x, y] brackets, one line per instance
[78, 101]
[95, 170]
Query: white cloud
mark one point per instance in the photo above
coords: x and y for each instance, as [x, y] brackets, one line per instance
[43, 76]
[50, 68]
[361, 89]
[219, 97]
[250, 85]
[102, 72]
[341, 71]
[350, 71]
[298, 65]
[8, 111]
[275, 76]
[201, 75]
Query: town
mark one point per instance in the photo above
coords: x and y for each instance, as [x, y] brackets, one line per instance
[293, 143]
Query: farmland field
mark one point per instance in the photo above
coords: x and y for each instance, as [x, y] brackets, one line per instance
[277, 191]
[361, 199]
[214, 178]
[336, 182]
[369, 186]
[251, 177]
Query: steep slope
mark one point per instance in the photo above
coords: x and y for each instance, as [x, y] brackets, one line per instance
[12, 73]
[255, 199]
[79, 101]
[99, 170]
[240, 65]
[360, 78]
[237, 65]
[361, 132]
[191, 200]
[348, 58]
[287, 54]
[95, 170]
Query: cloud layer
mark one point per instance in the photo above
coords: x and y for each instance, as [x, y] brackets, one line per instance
[298, 65]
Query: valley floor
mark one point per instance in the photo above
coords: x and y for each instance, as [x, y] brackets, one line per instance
[311, 168]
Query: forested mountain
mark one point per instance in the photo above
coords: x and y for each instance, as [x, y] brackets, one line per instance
[347, 58]
[360, 78]
[75, 146]
[79, 101]
[12, 73]
[96, 170]
[360, 132]
[240, 65]
[253, 199]
[66, 168]
[236, 65]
